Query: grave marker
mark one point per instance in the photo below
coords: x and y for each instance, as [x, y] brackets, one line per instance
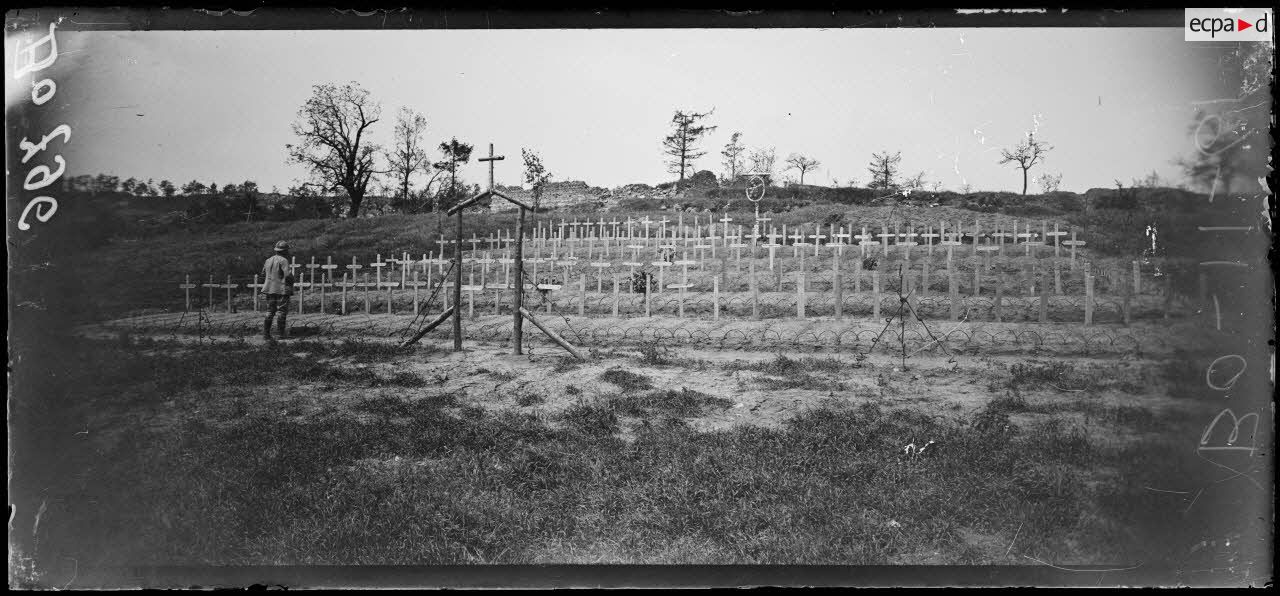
[187, 286]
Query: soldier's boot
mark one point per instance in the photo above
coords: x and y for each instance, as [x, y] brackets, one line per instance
[283, 331]
[266, 330]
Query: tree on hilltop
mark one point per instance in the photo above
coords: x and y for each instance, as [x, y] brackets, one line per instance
[732, 153]
[453, 154]
[682, 144]
[407, 157]
[795, 161]
[535, 175]
[1026, 155]
[884, 170]
[333, 126]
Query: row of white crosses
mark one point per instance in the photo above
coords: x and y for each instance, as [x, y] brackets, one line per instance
[427, 266]
[612, 237]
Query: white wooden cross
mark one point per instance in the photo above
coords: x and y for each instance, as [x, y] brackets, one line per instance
[328, 268]
[646, 223]
[229, 287]
[797, 240]
[662, 269]
[416, 285]
[1057, 241]
[1073, 243]
[188, 286]
[684, 280]
[484, 269]
[600, 267]
[817, 237]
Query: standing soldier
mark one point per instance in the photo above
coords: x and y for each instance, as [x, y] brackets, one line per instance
[278, 286]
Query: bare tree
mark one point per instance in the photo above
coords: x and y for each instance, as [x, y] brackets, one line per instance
[407, 157]
[733, 156]
[682, 144]
[795, 161]
[884, 169]
[762, 160]
[333, 125]
[1027, 154]
[915, 182]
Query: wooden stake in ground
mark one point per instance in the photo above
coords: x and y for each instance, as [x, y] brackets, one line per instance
[715, 298]
[615, 295]
[1088, 298]
[837, 287]
[755, 289]
[800, 281]
[366, 285]
[1044, 300]
[875, 294]
[953, 293]
[999, 301]
[552, 334]
[344, 286]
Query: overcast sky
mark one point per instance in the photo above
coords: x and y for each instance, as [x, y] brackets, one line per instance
[217, 106]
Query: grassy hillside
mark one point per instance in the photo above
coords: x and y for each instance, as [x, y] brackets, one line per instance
[106, 255]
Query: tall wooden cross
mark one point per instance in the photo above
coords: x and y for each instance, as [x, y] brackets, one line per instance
[519, 312]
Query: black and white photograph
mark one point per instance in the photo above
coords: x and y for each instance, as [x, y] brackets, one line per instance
[311, 298]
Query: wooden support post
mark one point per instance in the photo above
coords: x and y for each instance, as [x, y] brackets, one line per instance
[436, 323]
[837, 287]
[344, 293]
[457, 286]
[255, 293]
[755, 289]
[1044, 301]
[715, 298]
[857, 276]
[977, 279]
[582, 295]
[1125, 306]
[415, 292]
[953, 293]
[366, 293]
[999, 302]
[648, 282]
[615, 295]
[517, 295]
[552, 334]
[924, 277]
[800, 293]
[1137, 278]
[1088, 298]
[875, 294]
[1057, 277]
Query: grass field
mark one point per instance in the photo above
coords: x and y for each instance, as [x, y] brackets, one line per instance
[165, 451]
